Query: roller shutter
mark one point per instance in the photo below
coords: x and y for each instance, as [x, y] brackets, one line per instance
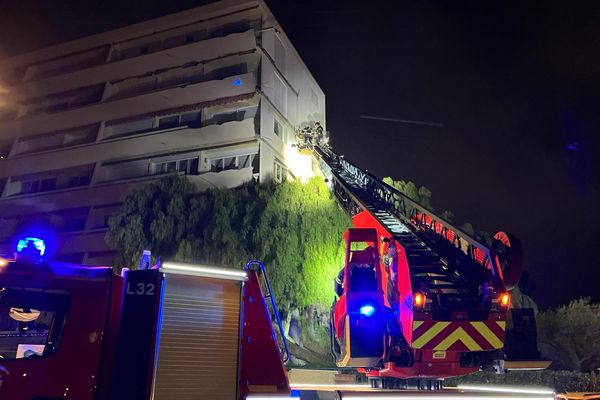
[199, 339]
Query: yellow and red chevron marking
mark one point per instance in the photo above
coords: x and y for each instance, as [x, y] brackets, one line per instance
[458, 335]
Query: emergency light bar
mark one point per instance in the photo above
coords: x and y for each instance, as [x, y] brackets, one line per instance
[30, 243]
[204, 270]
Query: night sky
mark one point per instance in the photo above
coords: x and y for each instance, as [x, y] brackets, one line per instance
[515, 85]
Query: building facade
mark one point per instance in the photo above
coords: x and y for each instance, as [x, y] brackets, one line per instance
[214, 93]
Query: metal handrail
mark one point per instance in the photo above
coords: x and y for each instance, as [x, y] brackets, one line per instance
[273, 304]
[400, 204]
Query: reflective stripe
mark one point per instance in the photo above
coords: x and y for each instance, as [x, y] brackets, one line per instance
[458, 334]
[417, 324]
[430, 334]
[344, 362]
[454, 335]
[483, 329]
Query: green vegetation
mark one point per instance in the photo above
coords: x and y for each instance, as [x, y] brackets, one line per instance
[570, 335]
[295, 229]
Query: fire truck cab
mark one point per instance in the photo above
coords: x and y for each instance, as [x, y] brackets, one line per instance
[55, 328]
[170, 331]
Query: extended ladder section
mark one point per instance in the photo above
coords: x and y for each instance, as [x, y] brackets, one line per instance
[441, 257]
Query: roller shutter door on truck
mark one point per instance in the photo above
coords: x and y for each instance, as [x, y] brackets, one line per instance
[199, 338]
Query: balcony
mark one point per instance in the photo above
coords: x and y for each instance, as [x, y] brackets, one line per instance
[128, 107]
[76, 197]
[134, 145]
[209, 49]
[32, 184]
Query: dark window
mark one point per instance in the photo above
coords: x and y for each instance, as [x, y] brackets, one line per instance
[168, 122]
[216, 165]
[277, 128]
[191, 119]
[229, 163]
[74, 224]
[79, 181]
[48, 184]
[30, 187]
[31, 321]
[183, 166]
[5, 148]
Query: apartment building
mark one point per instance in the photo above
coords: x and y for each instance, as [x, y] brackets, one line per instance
[213, 93]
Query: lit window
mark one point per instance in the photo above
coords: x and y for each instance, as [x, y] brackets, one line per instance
[187, 166]
[234, 162]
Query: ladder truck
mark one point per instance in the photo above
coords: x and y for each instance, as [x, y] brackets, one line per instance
[418, 299]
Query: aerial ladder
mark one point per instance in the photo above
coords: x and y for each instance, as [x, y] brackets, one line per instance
[438, 305]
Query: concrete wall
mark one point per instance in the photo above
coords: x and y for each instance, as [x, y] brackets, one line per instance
[202, 62]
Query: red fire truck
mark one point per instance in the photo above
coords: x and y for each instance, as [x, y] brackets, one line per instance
[418, 299]
[178, 332]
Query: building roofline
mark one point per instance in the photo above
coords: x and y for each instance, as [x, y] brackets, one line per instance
[291, 46]
[133, 31]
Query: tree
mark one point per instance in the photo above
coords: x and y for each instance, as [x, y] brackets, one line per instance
[570, 335]
[295, 229]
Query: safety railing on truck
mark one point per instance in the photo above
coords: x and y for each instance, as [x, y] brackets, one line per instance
[274, 309]
[409, 211]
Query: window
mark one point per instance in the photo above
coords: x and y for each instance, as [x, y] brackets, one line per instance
[228, 116]
[64, 100]
[66, 64]
[185, 166]
[234, 162]
[278, 172]
[81, 180]
[49, 141]
[31, 321]
[277, 128]
[190, 119]
[47, 184]
[74, 224]
[30, 187]
[5, 148]
[131, 127]
[168, 122]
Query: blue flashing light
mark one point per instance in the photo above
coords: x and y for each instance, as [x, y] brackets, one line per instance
[30, 243]
[237, 81]
[367, 310]
[573, 146]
